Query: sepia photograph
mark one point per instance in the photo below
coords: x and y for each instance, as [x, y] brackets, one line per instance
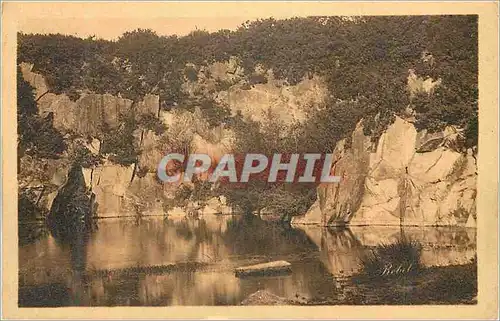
[314, 160]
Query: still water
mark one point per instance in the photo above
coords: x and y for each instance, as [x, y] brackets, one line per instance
[99, 269]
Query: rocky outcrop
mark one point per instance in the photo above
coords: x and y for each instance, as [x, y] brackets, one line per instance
[43, 177]
[72, 209]
[109, 183]
[36, 80]
[151, 151]
[87, 115]
[419, 84]
[407, 178]
[118, 190]
[258, 95]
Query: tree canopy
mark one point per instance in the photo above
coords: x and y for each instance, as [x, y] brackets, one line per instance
[360, 57]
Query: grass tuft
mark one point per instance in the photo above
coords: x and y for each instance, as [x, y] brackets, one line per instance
[400, 258]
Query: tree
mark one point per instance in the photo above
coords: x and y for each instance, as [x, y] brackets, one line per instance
[36, 135]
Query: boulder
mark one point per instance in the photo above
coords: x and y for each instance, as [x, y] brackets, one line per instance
[110, 182]
[36, 80]
[72, 209]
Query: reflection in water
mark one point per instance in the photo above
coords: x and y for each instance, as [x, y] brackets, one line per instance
[93, 270]
[341, 250]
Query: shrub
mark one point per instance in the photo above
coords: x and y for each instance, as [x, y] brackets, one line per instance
[27, 209]
[214, 113]
[151, 122]
[472, 132]
[222, 85]
[182, 195]
[141, 172]
[85, 158]
[401, 257]
[29, 213]
[202, 191]
[119, 142]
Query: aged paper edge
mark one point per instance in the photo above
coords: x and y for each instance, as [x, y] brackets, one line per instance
[15, 14]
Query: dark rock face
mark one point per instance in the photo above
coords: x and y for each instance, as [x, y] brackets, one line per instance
[72, 209]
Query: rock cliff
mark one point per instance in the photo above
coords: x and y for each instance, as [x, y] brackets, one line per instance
[87, 115]
[406, 178]
[118, 190]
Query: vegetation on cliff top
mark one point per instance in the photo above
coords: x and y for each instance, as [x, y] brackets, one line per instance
[363, 59]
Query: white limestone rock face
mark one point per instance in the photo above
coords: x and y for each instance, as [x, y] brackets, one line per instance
[227, 84]
[85, 115]
[149, 105]
[36, 80]
[109, 182]
[410, 179]
[287, 102]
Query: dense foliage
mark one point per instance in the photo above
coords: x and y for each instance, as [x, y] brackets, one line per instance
[363, 58]
[151, 122]
[119, 142]
[36, 135]
[72, 209]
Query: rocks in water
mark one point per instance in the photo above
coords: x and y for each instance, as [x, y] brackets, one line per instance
[263, 297]
[269, 268]
[72, 209]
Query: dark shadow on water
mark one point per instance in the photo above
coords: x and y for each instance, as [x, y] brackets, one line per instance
[45, 295]
[57, 294]
[30, 232]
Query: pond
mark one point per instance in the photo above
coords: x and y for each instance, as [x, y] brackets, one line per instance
[120, 264]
